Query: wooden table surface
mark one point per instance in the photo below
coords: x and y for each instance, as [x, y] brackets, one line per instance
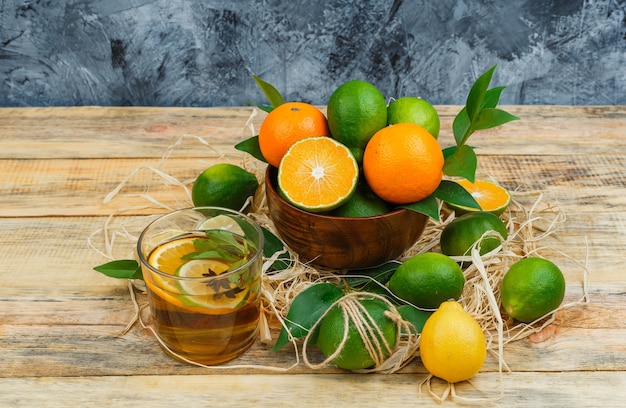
[59, 319]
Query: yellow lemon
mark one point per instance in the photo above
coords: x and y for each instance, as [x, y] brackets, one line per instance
[452, 346]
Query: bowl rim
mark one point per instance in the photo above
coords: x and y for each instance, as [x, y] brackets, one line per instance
[271, 173]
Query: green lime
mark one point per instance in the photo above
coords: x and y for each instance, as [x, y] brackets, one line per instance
[356, 110]
[223, 185]
[410, 109]
[532, 288]
[354, 354]
[426, 280]
[363, 203]
[458, 237]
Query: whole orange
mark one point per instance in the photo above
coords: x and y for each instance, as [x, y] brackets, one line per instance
[403, 163]
[285, 125]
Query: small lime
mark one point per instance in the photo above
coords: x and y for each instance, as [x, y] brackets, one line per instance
[532, 288]
[363, 203]
[224, 185]
[356, 110]
[458, 237]
[426, 280]
[410, 109]
[354, 354]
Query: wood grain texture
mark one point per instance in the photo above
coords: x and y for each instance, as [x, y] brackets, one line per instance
[517, 389]
[113, 132]
[59, 319]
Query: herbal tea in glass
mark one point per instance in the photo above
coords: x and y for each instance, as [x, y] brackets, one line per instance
[203, 278]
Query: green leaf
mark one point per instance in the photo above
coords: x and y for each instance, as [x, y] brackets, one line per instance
[265, 108]
[121, 269]
[251, 146]
[462, 162]
[477, 94]
[453, 193]
[305, 309]
[414, 315]
[492, 117]
[461, 127]
[427, 206]
[219, 244]
[211, 254]
[273, 96]
[448, 151]
[220, 239]
[492, 97]
[363, 279]
[272, 245]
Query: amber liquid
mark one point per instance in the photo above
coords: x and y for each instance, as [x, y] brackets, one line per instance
[201, 332]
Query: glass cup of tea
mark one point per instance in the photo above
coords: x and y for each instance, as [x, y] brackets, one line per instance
[202, 269]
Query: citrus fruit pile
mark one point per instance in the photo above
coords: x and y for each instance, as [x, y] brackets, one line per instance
[427, 291]
[366, 159]
[390, 152]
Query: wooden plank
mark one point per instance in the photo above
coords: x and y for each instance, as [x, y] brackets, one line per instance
[84, 132]
[80, 310]
[87, 342]
[594, 389]
[78, 187]
[58, 246]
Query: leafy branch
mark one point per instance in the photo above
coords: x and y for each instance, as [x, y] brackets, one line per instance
[479, 113]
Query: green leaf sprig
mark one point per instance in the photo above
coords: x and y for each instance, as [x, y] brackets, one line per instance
[479, 113]
[219, 244]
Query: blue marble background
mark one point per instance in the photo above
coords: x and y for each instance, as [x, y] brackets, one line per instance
[201, 53]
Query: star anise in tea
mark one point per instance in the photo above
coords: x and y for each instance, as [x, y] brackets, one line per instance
[218, 285]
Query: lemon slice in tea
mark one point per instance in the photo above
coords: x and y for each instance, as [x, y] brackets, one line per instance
[490, 196]
[318, 174]
[217, 294]
[221, 222]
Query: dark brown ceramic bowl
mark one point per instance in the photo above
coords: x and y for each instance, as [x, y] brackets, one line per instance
[342, 242]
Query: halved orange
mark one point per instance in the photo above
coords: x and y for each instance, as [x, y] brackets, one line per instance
[167, 258]
[490, 196]
[318, 174]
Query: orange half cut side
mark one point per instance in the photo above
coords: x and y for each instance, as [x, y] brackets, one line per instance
[490, 196]
[318, 174]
